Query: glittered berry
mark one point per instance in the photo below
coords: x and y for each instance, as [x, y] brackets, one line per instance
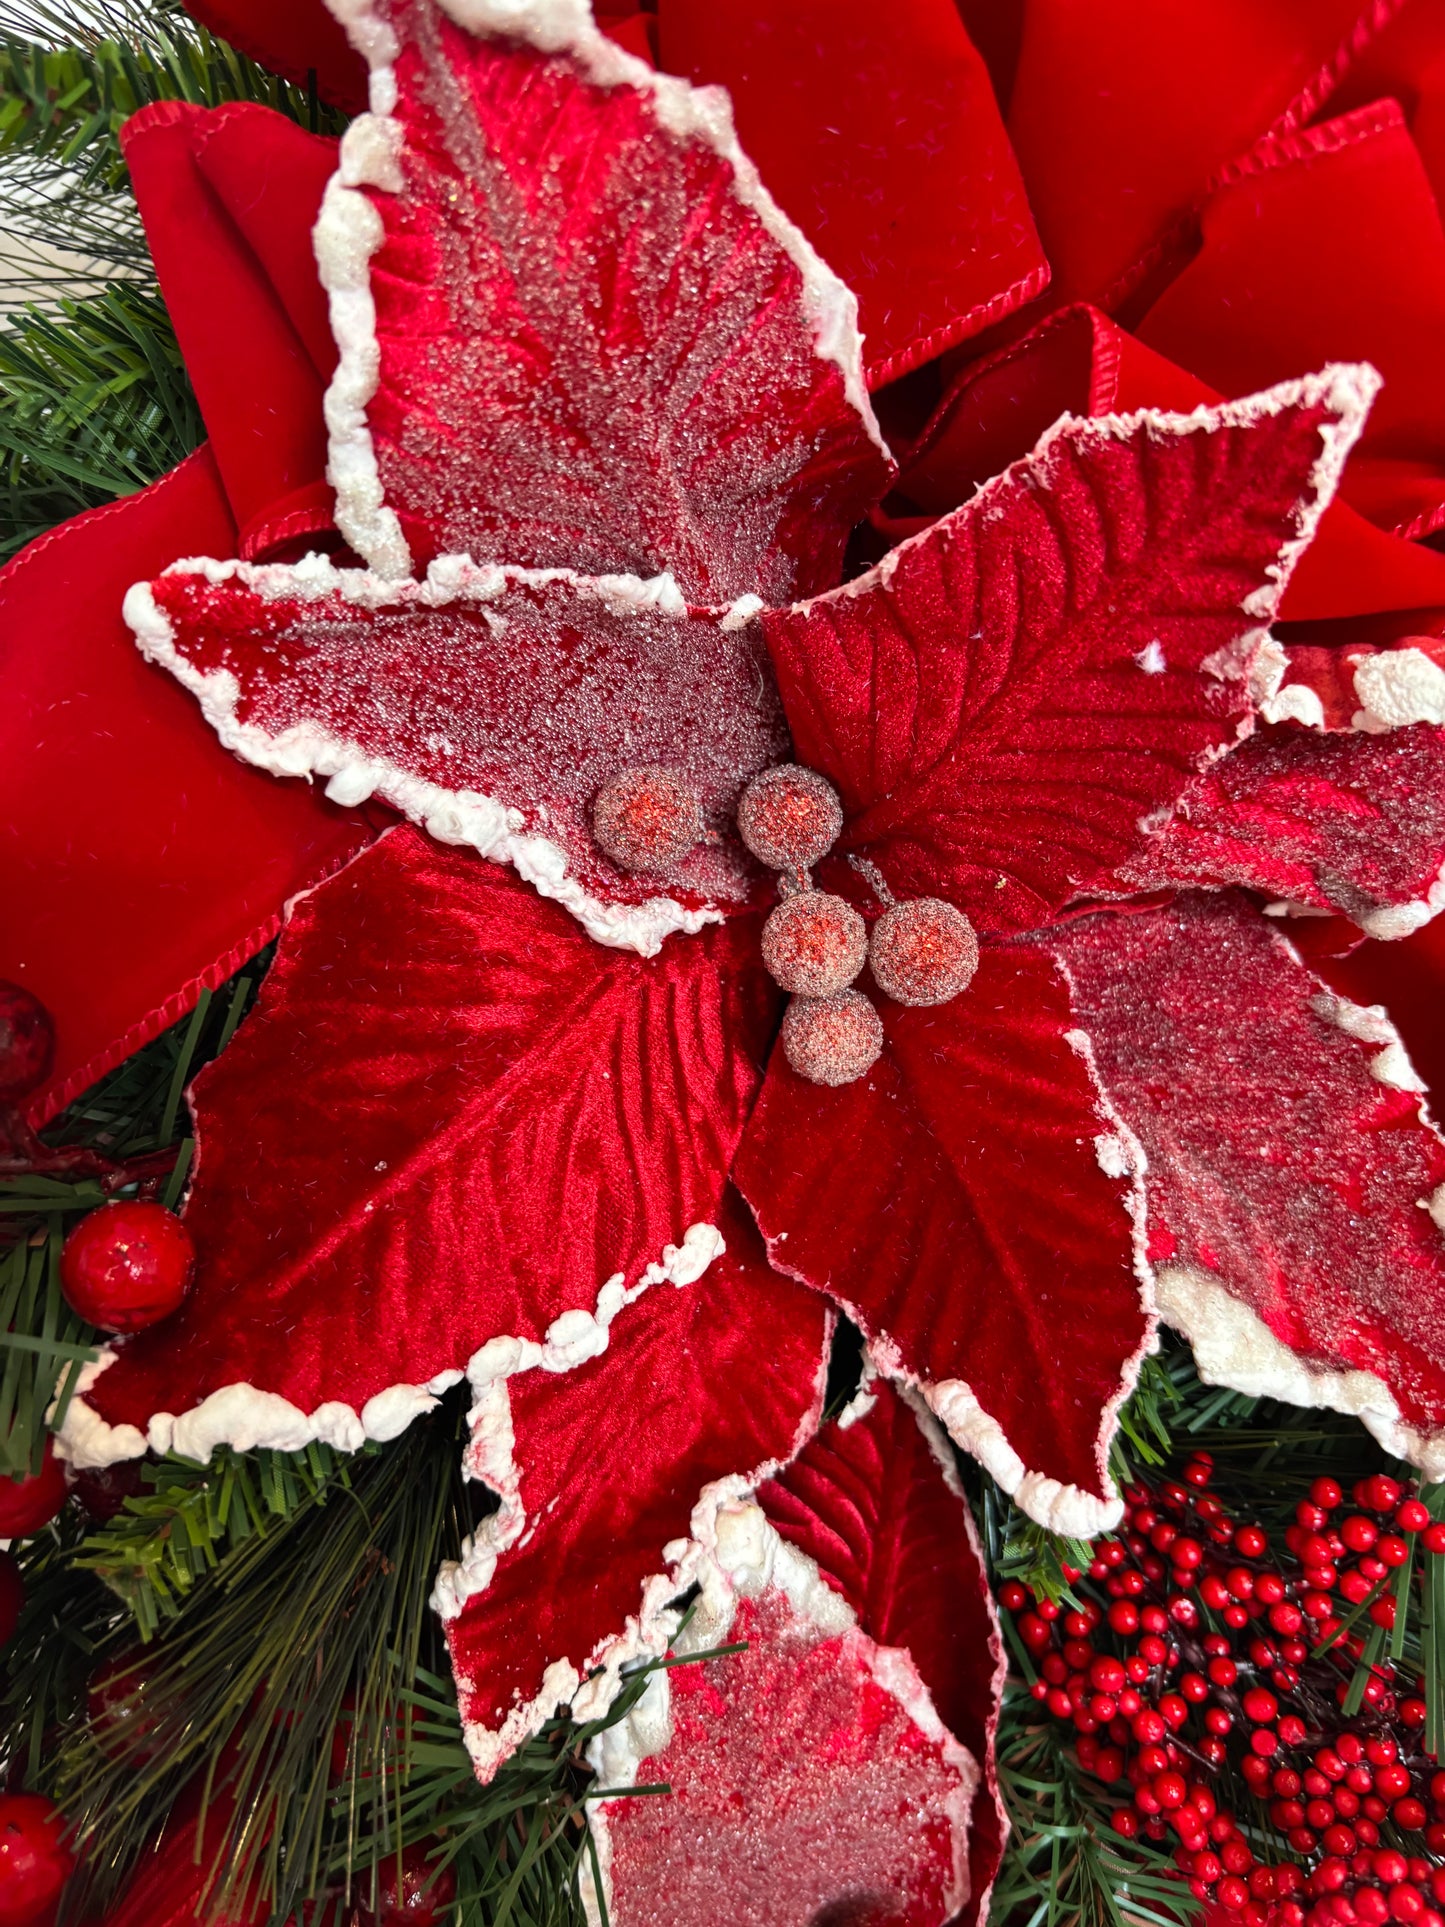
[832, 1040]
[127, 1265]
[27, 1042]
[789, 817]
[924, 952]
[647, 819]
[814, 945]
[12, 1596]
[28, 1504]
[35, 1861]
[421, 1897]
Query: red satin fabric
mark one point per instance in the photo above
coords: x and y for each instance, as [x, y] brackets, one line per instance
[259, 388]
[1331, 250]
[140, 862]
[298, 39]
[1124, 112]
[884, 143]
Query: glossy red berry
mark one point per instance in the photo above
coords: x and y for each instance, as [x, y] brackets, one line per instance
[35, 1859]
[12, 1597]
[420, 1896]
[1435, 1538]
[28, 1504]
[127, 1265]
[27, 1042]
[1411, 1516]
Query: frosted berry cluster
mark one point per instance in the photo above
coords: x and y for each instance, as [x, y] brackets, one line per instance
[815, 944]
[1197, 1658]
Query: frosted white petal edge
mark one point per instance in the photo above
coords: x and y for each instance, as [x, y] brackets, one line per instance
[248, 1419]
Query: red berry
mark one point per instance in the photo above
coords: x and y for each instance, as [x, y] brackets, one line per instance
[1392, 1549]
[1251, 1542]
[789, 817]
[27, 1042]
[1382, 1493]
[814, 944]
[648, 819]
[1125, 1822]
[1326, 1493]
[1389, 1866]
[1411, 1516]
[923, 952]
[35, 1861]
[1012, 1596]
[28, 1504]
[127, 1265]
[1259, 1705]
[1383, 1612]
[1409, 1814]
[423, 1896]
[1124, 1616]
[1232, 1893]
[1405, 1903]
[1435, 1538]
[1413, 1712]
[832, 1040]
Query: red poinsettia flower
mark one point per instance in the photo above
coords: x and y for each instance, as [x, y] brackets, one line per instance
[597, 424]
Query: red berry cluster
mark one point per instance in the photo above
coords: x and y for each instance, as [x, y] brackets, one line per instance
[1195, 1650]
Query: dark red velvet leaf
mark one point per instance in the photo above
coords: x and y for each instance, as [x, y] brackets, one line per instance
[722, 1378]
[114, 798]
[451, 1117]
[884, 143]
[814, 1777]
[1340, 821]
[970, 1231]
[489, 707]
[872, 1505]
[1007, 696]
[600, 345]
[1296, 1208]
[297, 39]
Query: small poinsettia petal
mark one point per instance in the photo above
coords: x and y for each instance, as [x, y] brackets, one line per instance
[1343, 822]
[489, 705]
[875, 1503]
[295, 38]
[814, 1776]
[598, 1473]
[971, 1231]
[452, 1118]
[1296, 1191]
[575, 329]
[1004, 699]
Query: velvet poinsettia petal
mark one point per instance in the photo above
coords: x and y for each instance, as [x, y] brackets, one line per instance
[1332, 248]
[259, 390]
[972, 1232]
[1078, 362]
[110, 825]
[489, 705]
[1342, 821]
[1004, 699]
[575, 329]
[598, 1471]
[876, 1504]
[812, 1777]
[1362, 686]
[297, 39]
[1125, 112]
[452, 1118]
[1296, 1191]
[884, 143]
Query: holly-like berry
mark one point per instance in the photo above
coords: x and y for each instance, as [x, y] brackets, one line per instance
[122, 1719]
[32, 1502]
[422, 1897]
[127, 1265]
[814, 945]
[27, 1042]
[923, 952]
[647, 819]
[12, 1596]
[35, 1860]
[789, 817]
[832, 1040]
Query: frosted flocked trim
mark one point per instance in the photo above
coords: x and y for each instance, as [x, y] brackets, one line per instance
[247, 1418]
[1234, 1347]
[588, 1688]
[461, 817]
[736, 1553]
[348, 232]
[1396, 688]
